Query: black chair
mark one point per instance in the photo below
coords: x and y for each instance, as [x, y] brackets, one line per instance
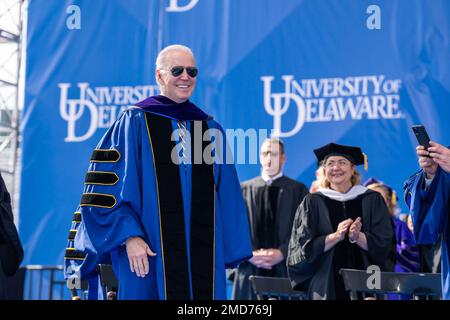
[275, 289]
[415, 285]
[108, 281]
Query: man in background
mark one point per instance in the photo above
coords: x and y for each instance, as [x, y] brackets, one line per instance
[271, 199]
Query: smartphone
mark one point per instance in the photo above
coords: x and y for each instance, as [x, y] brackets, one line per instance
[421, 135]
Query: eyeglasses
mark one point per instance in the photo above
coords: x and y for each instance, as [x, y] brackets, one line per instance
[178, 71]
[340, 163]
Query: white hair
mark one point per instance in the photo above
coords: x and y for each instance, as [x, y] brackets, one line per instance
[161, 59]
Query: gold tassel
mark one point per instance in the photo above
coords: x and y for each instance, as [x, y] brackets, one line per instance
[366, 162]
[394, 198]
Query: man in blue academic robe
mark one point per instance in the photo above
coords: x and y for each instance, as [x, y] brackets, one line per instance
[427, 193]
[161, 197]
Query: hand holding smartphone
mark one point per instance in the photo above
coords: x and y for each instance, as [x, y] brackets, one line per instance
[421, 135]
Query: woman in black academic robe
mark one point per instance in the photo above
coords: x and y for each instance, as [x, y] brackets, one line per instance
[342, 225]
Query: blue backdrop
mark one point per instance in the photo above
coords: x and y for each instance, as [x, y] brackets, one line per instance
[315, 71]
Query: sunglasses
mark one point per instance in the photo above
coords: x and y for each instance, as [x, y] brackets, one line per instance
[178, 70]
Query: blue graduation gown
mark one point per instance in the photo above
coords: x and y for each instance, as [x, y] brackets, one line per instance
[430, 212]
[132, 210]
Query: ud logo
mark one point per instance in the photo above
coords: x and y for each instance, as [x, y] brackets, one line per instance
[72, 110]
[97, 107]
[277, 104]
[175, 7]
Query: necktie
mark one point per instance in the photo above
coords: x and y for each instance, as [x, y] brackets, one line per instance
[182, 127]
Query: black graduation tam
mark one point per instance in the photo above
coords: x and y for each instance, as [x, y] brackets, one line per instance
[353, 154]
[375, 182]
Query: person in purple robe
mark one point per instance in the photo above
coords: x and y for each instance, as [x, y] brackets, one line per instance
[404, 256]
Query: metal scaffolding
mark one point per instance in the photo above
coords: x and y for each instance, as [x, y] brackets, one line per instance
[11, 39]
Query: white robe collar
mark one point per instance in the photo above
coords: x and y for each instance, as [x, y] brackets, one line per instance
[267, 179]
[335, 195]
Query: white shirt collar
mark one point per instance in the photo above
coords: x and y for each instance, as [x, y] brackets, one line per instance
[335, 195]
[269, 179]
